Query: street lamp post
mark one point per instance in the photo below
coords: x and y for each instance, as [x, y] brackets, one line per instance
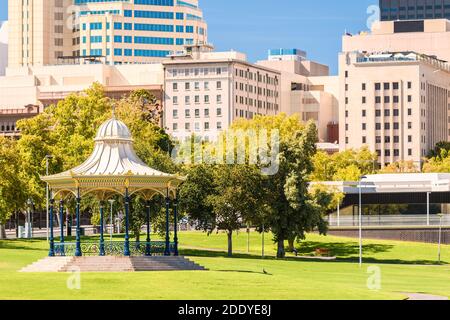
[47, 158]
[111, 230]
[441, 215]
[360, 220]
[428, 208]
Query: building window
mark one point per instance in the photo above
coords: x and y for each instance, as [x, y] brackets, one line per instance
[187, 86]
[197, 113]
[175, 126]
[409, 84]
[409, 98]
[377, 99]
[386, 86]
[377, 86]
[395, 86]
[409, 138]
[378, 113]
[364, 126]
[409, 112]
[175, 114]
[409, 152]
[364, 140]
[364, 113]
[363, 100]
[187, 113]
[219, 85]
[175, 86]
[175, 100]
[363, 87]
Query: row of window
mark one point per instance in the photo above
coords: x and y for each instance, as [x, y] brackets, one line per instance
[197, 71]
[187, 86]
[254, 89]
[265, 78]
[206, 126]
[187, 113]
[380, 126]
[206, 99]
[145, 27]
[387, 113]
[256, 103]
[386, 99]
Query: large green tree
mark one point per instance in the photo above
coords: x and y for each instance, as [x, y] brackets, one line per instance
[67, 130]
[12, 186]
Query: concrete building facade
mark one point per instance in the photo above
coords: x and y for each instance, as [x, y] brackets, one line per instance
[206, 91]
[44, 32]
[431, 38]
[395, 103]
[306, 89]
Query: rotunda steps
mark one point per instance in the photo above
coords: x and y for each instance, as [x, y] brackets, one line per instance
[112, 264]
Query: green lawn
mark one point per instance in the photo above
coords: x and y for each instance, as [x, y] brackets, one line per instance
[404, 267]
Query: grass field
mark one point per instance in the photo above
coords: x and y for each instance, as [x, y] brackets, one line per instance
[404, 268]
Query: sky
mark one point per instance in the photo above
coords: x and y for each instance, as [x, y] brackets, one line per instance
[254, 26]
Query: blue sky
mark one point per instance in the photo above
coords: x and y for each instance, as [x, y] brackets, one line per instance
[254, 26]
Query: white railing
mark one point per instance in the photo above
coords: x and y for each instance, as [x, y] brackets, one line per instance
[387, 220]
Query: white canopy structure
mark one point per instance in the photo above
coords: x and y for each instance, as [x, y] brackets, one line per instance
[113, 168]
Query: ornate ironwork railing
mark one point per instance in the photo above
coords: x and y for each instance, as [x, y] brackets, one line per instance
[115, 248]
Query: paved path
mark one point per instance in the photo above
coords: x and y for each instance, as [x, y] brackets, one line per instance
[421, 296]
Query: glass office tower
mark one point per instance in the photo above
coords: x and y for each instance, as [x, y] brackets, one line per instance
[414, 9]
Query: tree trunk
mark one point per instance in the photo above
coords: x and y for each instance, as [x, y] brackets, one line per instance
[280, 251]
[230, 242]
[291, 244]
[2, 231]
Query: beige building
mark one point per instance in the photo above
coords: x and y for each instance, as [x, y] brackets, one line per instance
[41, 86]
[307, 89]
[3, 47]
[395, 103]
[430, 37]
[206, 91]
[46, 32]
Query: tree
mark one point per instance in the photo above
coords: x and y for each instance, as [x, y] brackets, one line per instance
[345, 165]
[236, 198]
[67, 130]
[193, 194]
[12, 194]
[440, 146]
[437, 164]
[400, 167]
[296, 211]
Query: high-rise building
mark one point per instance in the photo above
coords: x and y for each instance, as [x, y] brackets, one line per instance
[414, 9]
[396, 103]
[46, 32]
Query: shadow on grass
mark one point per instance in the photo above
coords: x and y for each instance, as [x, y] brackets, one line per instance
[343, 252]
